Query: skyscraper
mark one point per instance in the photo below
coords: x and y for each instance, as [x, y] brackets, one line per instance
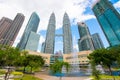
[43, 47]
[31, 26]
[33, 41]
[85, 41]
[67, 36]
[4, 27]
[97, 41]
[109, 20]
[10, 35]
[50, 37]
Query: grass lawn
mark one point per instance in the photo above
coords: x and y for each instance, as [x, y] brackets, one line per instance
[28, 77]
[108, 77]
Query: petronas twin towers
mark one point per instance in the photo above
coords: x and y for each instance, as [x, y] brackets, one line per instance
[50, 37]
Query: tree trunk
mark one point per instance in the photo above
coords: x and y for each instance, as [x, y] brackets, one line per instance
[31, 69]
[24, 69]
[103, 67]
[110, 70]
[7, 74]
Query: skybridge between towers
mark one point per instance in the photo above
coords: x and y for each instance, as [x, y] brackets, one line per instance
[59, 35]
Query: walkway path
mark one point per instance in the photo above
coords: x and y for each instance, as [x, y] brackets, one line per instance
[48, 77]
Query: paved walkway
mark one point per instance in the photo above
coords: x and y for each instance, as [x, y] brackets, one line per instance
[48, 77]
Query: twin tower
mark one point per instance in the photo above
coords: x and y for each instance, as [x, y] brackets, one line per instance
[50, 37]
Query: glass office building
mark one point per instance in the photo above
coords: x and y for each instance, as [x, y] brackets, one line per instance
[43, 47]
[31, 26]
[85, 41]
[109, 20]
[33, 41]
[97, 41]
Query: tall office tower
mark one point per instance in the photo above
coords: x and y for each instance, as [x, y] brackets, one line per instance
[14, 28]
[85, 41]
[97, 41]
[4, 27]
[33, 41]
[31, 26]
[43, 47]
[67, 36]
[109, 20]
[50, 37]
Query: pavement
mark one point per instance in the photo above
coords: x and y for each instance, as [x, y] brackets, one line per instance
[48, 77]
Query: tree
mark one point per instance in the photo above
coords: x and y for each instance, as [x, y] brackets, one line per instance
[103, 57]
[115, 51]
[23, 60]
[9, 57]
[95, 72]
[57, 67]
[35, 61]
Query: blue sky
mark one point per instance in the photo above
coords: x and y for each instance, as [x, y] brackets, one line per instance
[92, 24]
[78, 10]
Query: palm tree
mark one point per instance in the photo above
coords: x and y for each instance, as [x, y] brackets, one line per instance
[57, 67]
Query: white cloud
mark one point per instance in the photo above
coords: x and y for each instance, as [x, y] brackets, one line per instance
[44, 8]
[117, 5]
[74, 8]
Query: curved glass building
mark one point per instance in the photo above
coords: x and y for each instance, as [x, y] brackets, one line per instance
[109, 20]
[85, 41]
[31, 26]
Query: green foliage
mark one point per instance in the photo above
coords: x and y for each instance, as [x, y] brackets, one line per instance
[108, 77]
[95, 72]
[9, 55]
[104, 57]
[33, 61]
[2, 71]
[57, 66]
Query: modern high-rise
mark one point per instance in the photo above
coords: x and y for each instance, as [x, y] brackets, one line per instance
[33, 41]
[43, 47]
[109, 20]
[50, 37]
[31, 26]
[15, 25]
[67, 35]
[4, 27]
[97, 41]
[85, 41]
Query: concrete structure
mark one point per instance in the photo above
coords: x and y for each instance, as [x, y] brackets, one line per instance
[82, 57]
[109, 20]
[30, 33]
[45, 56]
[67, 35]
[50, 37]
[13, 29]
[4, 27]
[85, 41]
[97, 41]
